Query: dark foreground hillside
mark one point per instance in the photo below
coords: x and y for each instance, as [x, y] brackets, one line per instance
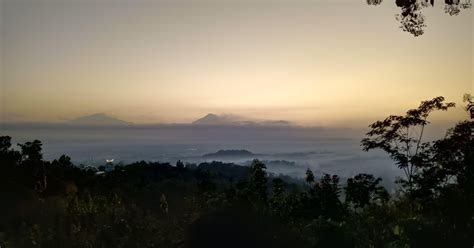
[58, 204]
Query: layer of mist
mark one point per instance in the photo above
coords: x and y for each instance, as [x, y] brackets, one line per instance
[286, 150]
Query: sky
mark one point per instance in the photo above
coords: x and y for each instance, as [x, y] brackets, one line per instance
[312, 62]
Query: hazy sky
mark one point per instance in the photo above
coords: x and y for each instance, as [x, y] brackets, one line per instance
[318, 62]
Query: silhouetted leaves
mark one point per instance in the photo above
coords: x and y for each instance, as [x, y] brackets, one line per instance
[401, 136]
[364, 189]
[32, 150]
[411, 17]
[374, 2]
[309, 176]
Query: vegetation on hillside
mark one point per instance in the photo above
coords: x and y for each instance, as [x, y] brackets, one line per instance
[144, 204]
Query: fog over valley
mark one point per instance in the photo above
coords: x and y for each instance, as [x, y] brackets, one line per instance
[288, 150]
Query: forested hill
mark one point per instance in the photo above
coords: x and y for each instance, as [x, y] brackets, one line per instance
[58, 204]
[230, 153]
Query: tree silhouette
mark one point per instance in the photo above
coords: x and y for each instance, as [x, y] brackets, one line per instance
[179, 164]
[309, 177]
[327, 192]
[31, 150]
[5, 144]
[277, 187]
[6, 153]
[258, 180]
[374, 2]
[364, 189]
[411, 17]
[448, 157]
[401, 136]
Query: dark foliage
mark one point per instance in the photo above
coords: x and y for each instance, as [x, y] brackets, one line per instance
[149, 204]
[411, 17]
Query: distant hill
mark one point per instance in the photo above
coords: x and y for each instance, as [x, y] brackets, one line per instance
[98, 119]
[230, 153]
[213, 119]
[227, 119]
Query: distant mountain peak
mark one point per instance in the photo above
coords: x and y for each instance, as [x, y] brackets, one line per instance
[211, 115]
[230, 119]
[208, 119]
[214, 119]
[98, 119]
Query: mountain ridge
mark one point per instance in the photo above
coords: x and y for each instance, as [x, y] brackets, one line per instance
[229, 119]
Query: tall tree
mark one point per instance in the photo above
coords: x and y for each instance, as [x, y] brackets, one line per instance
[32, 150]
[364, 189]
[401, 136]
[258, 180]
[327, 192]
